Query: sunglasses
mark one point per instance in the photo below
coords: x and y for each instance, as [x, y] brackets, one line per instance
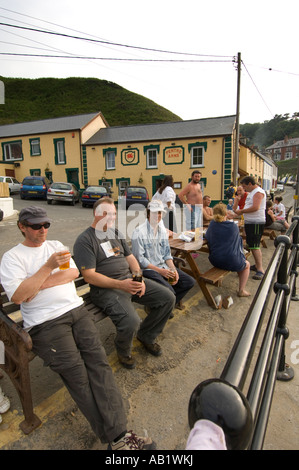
[39, 226]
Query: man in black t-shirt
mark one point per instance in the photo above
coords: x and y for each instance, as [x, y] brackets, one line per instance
[106, 263]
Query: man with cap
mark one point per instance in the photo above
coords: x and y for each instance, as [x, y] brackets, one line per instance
[62, 330]
[150, 246]
[107, 264]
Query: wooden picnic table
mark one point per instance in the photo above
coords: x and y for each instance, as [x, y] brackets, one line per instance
[214, 276]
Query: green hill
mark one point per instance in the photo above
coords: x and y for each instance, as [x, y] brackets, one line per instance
[264, 134]
[43, 98]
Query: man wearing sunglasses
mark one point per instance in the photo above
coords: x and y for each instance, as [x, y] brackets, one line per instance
[62, 330]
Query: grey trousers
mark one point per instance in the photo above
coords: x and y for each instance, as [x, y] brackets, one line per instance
[70, 346]
[117, 304]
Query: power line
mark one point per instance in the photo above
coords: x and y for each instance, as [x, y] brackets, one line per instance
[257, 89]
[110, 58]
[108, 42]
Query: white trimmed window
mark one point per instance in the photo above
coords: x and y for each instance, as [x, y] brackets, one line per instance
[34, 147]
[151, 158]
[110, 160]
[197, 157]
[12, 151]
[60, 157]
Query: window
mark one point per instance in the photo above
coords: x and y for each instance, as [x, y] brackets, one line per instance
[197, 154]
[60, 157]
[12, 151]
[122, 186]
[110, 160]
[151, 158]
[34, 147]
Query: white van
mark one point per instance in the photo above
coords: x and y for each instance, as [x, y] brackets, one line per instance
[13, 184]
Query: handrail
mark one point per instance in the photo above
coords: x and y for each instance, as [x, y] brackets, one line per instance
[242, 415]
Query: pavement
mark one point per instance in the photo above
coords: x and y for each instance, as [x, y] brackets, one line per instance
[196, 344]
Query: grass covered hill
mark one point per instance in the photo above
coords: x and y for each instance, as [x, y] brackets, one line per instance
[43, 98]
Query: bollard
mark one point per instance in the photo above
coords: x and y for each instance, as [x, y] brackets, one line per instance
[225, 405]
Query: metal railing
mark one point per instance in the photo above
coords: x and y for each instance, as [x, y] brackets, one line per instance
[242, 415]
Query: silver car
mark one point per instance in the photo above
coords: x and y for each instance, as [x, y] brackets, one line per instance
[63, 192]
[13, 184]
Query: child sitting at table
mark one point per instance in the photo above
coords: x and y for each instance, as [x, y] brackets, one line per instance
[280, 210]
[226, 247]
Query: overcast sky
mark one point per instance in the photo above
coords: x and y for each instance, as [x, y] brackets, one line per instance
[199, 82]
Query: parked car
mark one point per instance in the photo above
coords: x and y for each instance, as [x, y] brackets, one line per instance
[1, 214]
[64, 192]
[136, 195]
[91, 194]
[34, 187]
[279, 187]
[13, 184]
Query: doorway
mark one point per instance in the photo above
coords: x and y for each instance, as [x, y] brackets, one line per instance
[72, 175]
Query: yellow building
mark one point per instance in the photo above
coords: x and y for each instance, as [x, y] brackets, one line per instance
[50, 147]
[85, 150]
[144, 154]
[251, 163]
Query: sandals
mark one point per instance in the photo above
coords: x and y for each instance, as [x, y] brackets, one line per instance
[258, 275]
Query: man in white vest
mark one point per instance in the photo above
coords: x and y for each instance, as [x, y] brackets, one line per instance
[254, 219]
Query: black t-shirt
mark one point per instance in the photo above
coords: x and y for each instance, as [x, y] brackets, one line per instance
[103, 251]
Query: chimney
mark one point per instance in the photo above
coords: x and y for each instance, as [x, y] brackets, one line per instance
[286, 139]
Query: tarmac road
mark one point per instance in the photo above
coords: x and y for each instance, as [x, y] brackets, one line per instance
[196, 343]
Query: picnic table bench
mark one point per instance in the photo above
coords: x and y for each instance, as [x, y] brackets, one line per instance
[18, 349]
[212, 276]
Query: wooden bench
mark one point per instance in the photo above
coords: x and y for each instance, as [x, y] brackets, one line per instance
[214, 276]
[269, 233]
[18, 349]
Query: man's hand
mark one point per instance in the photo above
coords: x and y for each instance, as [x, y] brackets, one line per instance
[133, 287]
[57, 259]
[167, 273]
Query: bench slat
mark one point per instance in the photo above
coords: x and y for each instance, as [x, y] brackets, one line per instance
[214, 275]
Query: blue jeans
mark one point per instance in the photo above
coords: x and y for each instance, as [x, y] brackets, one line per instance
[193, 217]
[180, 289]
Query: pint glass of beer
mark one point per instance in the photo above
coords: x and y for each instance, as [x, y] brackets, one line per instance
[137, 276]
[172, 278]
[63, 251]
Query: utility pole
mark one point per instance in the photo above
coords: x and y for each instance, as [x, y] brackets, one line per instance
[236, 159]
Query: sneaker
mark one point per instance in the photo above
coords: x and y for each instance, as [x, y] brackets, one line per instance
[131, 441]
[127, 361]
[4, 402]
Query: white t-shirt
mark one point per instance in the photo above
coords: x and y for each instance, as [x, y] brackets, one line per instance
[259, 216]
[277, 208]
[168, 195]
[20, 263]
